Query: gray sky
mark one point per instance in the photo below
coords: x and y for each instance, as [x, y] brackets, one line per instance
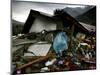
[20, 10]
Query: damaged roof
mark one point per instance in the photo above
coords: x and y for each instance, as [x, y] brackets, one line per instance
[61, 16]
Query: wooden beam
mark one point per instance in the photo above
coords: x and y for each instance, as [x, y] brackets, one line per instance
[35, 61]
[71, 35]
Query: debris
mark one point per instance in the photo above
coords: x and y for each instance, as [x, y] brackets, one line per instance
[54, 49]
[34, 61]
[80, 36]
[82, 55]
[60, 62]
[39, 49]
[48, 63]
[44, 69]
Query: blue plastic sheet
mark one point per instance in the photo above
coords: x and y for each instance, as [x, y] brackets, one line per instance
[60, 42]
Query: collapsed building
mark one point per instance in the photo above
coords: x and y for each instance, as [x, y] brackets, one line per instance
[59, 21]
[42, 28]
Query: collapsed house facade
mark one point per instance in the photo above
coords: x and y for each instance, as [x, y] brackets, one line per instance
[38, 21]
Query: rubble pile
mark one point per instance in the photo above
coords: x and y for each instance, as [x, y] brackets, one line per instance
[80, 55]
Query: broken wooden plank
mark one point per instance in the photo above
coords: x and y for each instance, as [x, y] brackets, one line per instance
[35, 61]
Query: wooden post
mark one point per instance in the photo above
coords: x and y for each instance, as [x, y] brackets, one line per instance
[71, 35]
